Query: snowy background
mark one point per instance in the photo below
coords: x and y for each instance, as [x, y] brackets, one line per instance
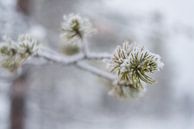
[68, 98]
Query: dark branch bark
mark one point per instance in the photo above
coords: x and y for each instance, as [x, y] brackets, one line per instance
[18, 99]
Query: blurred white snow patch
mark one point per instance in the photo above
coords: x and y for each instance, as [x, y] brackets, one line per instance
[8, 3]
[4, 108]
[38, 32]
[73, 90]
[4, 105]
[148, 122]
[181, 51]
[180, 11]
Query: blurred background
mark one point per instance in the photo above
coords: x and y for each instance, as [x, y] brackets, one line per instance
[52, 96]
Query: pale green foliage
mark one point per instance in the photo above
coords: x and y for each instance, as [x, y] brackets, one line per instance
[13, 54]
[27, 45]
[75, 28]
[133, 65]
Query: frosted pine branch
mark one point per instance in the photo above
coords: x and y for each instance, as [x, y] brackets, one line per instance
[130, 65]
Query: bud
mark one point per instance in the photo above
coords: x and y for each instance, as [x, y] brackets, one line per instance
[27, 45]
[75, 28]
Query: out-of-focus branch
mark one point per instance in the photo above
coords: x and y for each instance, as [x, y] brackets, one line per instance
[18, 101]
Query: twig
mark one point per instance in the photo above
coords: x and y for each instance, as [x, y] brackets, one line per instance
[57, 58]
[98, 56]
[52, 56]
[95, 70]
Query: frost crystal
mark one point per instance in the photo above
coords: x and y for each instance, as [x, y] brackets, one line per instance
[134, 64]
[75, 28]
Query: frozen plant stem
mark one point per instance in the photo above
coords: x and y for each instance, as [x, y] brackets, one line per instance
[98, 56]
[95, 71]
[85, 49]
[58, 58]
[54, 57]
